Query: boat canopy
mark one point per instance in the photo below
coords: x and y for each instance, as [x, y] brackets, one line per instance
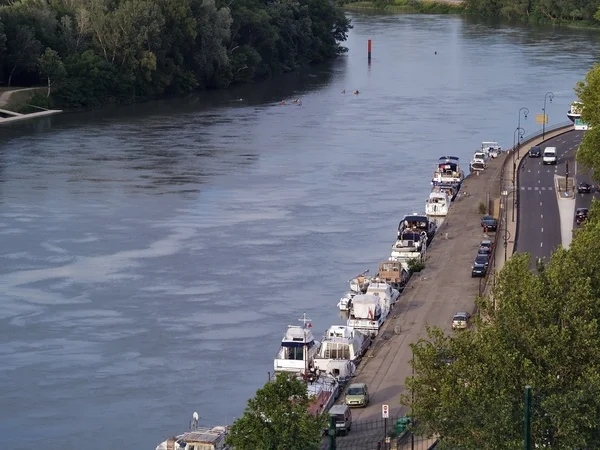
[448, 166]
[449, 158]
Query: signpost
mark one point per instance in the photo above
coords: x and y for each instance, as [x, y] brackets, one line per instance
[385, 414]
[541, 119]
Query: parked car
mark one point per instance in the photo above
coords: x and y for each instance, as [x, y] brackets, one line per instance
[461, 320]
[343, 418]
[487, 243]
[478, 270]
[581, 215]
[482, 259]
[487, 251]
[489, 222]
[584, 188]
[357, 395]
[535, 151]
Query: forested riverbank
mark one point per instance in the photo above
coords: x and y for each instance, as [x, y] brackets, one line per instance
[108, 51]
[568, 12]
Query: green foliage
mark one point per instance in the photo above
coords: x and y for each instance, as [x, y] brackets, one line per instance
[415, 265]
[589, 94]
[277, 418]
[542, 329]
[408, 6]
[123, 50]
[482, 209]
[537, 11]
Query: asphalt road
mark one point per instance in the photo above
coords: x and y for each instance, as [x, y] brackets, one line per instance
[539, 219]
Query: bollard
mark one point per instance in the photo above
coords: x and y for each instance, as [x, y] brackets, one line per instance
[369, 50]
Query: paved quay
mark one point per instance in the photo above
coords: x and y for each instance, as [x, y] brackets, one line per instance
[432, 297]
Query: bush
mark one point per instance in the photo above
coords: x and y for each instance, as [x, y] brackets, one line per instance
[482, 209]
[415, 265]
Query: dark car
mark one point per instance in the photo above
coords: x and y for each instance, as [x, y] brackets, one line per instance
[584, 188]
[489, 222]
[482, 259]
[535, 151]
[478, 270]
[487, 251]
[581, 215]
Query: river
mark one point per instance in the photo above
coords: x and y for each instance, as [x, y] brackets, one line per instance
[153, 255]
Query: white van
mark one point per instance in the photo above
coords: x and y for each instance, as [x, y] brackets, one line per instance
[549, 156]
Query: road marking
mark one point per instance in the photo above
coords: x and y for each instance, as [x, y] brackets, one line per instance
[542, 216]
[539, 181]
[541, 244]
[540, 203]
[543, 189]
[536, 188]
[529, 188]
[542, 230]
[538, 171]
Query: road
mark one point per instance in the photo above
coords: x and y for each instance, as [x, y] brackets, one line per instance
[584, 200]
[539, 220]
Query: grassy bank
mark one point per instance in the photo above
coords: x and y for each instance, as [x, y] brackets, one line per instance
[409, 6]
[22, 101]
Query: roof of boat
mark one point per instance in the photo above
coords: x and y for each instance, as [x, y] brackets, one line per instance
[205, 435]
[365, 298]
[416, 217]
[298, 334]
[447, 158]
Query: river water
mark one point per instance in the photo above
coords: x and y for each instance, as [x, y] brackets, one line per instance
[153, 255]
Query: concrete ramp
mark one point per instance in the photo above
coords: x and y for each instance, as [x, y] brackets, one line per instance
[16, 117]
[9, 113]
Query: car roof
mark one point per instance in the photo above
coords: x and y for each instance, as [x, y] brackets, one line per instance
[461, 314]
[486, 242]
[582, 209]
[338, 409]
[357, 385]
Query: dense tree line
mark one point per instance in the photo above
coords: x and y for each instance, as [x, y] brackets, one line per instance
[96, 51]
[538, 10]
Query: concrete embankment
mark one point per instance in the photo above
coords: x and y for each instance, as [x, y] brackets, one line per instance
[443, 288]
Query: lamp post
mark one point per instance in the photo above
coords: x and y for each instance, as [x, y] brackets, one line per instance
[549, 95]
[521, 132]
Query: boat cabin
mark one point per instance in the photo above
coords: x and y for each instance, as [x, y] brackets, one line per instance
[198, 439]
[298, 348]
[416, 222]
[394, 273]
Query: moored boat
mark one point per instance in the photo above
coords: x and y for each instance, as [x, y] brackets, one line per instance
[410, 245]
[438, 203]
[358, 285]
[448, 171]
[417, 222]
[574, 112]
[298, 348]
[341, 343]
[198, 438]
[368, 313]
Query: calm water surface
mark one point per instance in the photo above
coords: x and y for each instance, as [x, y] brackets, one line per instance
[153, 255]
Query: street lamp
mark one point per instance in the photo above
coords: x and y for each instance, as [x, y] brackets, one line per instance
[549, 95]
[521, 132]
[525, 112]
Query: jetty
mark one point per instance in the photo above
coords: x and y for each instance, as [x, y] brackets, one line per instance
[7, 117]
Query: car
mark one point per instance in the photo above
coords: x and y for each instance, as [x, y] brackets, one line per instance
[487, 243]
[478, 270]
[584, 188]
[489, 223]
[535, 151]
[357, 395]
[482, 259]
[461, 320]
[581, 215]
[487, 251]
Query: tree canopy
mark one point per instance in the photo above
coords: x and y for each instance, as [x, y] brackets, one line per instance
[541, 329]
[588, 92]
[119, 50]
[277, 418]
[572, 11]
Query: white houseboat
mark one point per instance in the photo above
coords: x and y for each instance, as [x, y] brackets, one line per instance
[341, 343]
[368, 313]
[448, 171]
[298, 348]
[410, 245]
[198, 438]
[574, 112]
[491, 148]
[358, 285]
[438, 203]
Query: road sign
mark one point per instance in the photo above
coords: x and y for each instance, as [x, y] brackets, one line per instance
[541, 118]
[385, 411]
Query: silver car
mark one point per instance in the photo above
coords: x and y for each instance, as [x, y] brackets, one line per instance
[461, 320]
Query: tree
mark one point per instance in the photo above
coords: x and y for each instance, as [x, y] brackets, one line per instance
[23, 51]
[588, 92]
[277, 418]
[51, 67]
[542, 329]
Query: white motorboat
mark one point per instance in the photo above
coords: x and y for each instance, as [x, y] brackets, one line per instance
[298, 348]
[438, 203]
[410, 245]
[386, 293]
[491, 148]
[448, 171]
[358, 285]
[368, 313]
[417, 222]
[574, 112]
[341, 343]
[198, 438]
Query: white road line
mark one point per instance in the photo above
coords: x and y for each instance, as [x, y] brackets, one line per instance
[542, 230]
[540, 203]
[539, 181]
[542, 216]
[541, 244]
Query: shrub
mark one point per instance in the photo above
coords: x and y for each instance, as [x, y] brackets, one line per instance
[482, 208]
[415, 265]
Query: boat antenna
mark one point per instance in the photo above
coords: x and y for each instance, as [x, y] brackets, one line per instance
[305, 321]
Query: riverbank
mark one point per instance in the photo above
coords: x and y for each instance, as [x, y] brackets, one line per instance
[14, 109]
[410, 6]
